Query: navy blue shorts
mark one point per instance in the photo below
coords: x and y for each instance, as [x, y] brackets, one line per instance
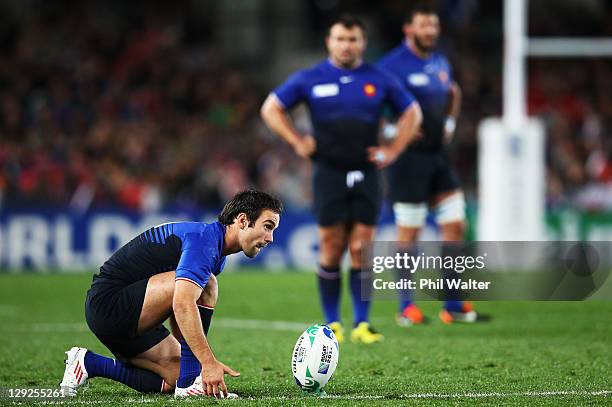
[418, 176]
[112, 312]
[346, 196]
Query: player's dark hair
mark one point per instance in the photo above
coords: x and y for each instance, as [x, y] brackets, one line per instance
[348, 21]
[250, 202]
[419, 8]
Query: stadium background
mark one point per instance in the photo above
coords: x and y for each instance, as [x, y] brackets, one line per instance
[119, 115]
[148, 112]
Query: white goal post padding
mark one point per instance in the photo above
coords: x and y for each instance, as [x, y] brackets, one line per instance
[511, 181]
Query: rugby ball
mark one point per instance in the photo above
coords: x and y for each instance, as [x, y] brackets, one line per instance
[314, 358]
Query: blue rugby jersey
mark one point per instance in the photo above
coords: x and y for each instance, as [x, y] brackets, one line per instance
[193, 249]
[429, 80]
[345, 108]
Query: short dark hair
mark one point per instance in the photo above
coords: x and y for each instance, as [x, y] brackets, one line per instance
[348, 21]
[419, 8]
[250, 202]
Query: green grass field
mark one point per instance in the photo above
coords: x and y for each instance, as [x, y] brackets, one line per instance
[530, 353]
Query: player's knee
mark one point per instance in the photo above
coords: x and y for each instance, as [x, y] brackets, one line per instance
[168, 388]
[170, 376]
[356, 249]
[407, 234]
[331, 250]
[210, 294]
[450, 215]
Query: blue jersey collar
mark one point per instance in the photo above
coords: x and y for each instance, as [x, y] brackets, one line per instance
[338, 68]
[222, 229]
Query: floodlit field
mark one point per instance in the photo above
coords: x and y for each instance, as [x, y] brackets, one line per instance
[534, 353]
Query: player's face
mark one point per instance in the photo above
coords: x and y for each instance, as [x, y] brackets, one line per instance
[345, 45]
[424, 31]
[261, 234]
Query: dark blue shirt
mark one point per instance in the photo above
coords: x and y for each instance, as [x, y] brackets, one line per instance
[193, 249]
[429, 80]
[345, 107]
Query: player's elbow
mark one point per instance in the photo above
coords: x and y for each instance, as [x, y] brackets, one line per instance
[418, 115]
[270, 109]
[413, 117]
[456, 90]
[266, 110]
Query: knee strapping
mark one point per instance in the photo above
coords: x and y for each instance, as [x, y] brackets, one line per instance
[451, 209]
[410, 215]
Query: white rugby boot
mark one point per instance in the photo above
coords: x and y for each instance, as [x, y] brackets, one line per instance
[75, 375]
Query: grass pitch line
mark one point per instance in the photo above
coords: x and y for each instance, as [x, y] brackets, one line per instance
[533, 394]
[542, 394]
[235, 323]
[261, 324]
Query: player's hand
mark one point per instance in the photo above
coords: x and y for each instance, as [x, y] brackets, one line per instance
[448, 137]
[382, 156]
[213, 381]
[449, 130]
[306, 146]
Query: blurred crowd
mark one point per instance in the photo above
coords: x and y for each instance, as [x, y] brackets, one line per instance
[96, 114]
[100, 113]
[575, 101]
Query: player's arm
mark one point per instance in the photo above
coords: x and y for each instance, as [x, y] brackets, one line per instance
[188, 319]
[408, 125]
[276, 118]
[454, 108]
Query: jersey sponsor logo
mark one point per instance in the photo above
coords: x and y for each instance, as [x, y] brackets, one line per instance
[325, 90]
[369, 90]
[346, 79]
[418, 79]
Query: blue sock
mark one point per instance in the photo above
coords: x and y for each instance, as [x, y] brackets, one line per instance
[142, 380]
[329, 289]
[206, 314]
[361, 300]
[190, 366]
[404, 303]
[405, 296]
[453, 306]
[453, 301]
